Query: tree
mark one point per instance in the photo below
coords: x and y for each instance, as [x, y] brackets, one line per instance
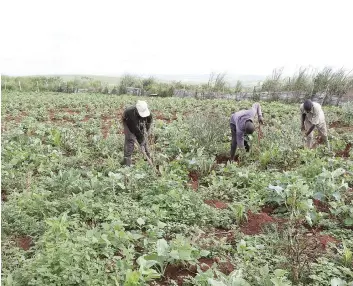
[105, 90]
[126, 81]
[114, 90]
[273, 84]
[238, 87]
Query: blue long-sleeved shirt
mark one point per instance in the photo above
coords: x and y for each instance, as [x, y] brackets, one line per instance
[240, 117]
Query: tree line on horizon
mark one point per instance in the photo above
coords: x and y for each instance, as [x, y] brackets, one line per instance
[304, 83]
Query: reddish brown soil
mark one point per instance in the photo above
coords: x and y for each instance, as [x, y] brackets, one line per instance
[312, 228]
[223, 233]
[255, 223]
[24, 242]
[268, 209]
[341, 126]
[68, 110]
[222, 159]
[161, 116]
[52, 114]
[337, 124]
[344, 153]
[325, 240]
[194, 180]
[206, 263]
[18, 118]
[216, 204]
[321, 206]
[226, 267]
[107, 122]
[86, 118]
[216, 234]
[179, 273]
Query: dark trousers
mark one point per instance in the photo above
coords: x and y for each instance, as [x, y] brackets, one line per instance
[233, 147]
[130, 144]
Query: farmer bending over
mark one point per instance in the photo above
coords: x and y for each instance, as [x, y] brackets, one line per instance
[241, 123]
[312, 116]
[137, 122]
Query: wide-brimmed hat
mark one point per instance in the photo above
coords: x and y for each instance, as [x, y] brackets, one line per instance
[142, 108]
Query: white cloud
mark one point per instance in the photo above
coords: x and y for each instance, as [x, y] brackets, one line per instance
[173, 37]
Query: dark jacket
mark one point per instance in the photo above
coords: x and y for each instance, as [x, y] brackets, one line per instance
[239, 118]
[136, 123]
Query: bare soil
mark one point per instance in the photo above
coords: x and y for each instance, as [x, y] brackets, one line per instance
[268, 209]
[223, 159]
[107, 122]
[256, 222]
[326, 239]
[17, 119]
[219, 234]
[194, 180]
[337, 124]
[179, 273]
[216, 204]
[161, 116]
[24, 242]
[344, 153]
[321, 206]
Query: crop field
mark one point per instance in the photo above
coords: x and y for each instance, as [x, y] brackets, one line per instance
[73, 215]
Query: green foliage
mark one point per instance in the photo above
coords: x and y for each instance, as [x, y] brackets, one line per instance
[91, 221]
[347, 109]
[208, 130]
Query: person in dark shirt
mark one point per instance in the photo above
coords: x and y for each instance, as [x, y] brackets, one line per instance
[137, 121]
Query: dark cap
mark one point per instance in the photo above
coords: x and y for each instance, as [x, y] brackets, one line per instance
[308, 105]
[249, 127]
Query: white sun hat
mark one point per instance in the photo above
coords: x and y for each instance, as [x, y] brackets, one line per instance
[142, 108]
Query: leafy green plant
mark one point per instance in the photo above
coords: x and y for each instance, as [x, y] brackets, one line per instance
[239, 212]
[347, 109]
[330, 184]
[343, 211]
[90, 219]
[178, 250]
[208, 130]
[340, 282]
[347, 255]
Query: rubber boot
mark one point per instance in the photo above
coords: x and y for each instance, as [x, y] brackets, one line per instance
[127, 161]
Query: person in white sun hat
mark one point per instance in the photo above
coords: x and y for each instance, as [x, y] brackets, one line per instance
[137, 121]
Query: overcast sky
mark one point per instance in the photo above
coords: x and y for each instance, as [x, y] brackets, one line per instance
[173, 36]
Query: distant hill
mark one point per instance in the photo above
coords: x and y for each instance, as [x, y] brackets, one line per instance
[111, 80]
